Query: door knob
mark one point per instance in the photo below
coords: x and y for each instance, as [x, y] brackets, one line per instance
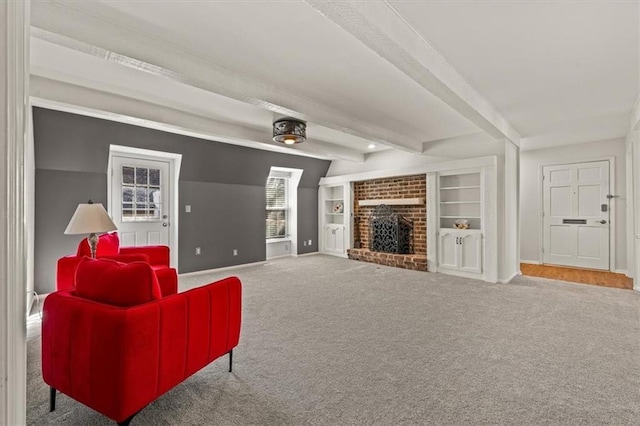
[602, 221]
[165, 224]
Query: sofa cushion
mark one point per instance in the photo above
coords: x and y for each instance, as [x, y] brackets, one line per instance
[115, 283]
[108, 245]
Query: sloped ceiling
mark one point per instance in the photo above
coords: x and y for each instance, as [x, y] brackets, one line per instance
[394, 74]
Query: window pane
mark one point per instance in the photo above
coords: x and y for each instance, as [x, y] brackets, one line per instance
[154, 177]
[142, 195]
[276, 192]
[154, 211]
[277, 205]
[127, 174]
[154, 195]
[127, 194]
[141, 175]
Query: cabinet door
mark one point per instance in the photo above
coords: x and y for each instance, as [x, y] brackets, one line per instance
[339, 239]
[471, 253]
[448, 250]
[329, 238]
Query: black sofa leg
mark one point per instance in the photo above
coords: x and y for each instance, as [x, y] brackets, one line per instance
[230, 360]
[52, 398]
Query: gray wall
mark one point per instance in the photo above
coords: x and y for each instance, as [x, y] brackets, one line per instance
[224, 184]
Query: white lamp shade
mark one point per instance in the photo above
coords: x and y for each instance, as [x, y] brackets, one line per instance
[90, 218]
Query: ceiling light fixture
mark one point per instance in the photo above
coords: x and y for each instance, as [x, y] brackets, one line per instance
[289, 131]
[371, 145]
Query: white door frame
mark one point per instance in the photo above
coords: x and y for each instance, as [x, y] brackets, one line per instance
[14, 91]
[175, 161]
[612, 204]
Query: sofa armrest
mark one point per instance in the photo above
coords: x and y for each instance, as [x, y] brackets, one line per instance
[168, 281]
[66, 272]
[158, 255]
[133, 355]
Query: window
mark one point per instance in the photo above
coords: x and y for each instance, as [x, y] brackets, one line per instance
[140, 194]
[277, 207]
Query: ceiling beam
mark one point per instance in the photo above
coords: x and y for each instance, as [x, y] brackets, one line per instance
[79, 26]
[380, 27]
[68, 97]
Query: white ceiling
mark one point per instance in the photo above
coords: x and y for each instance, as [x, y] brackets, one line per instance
[400, 74]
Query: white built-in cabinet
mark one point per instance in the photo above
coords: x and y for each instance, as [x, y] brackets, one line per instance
[335, 218]
[460, 197]
[460, 250]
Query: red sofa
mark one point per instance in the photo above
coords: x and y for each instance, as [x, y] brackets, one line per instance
[116, 344]
[109, 248]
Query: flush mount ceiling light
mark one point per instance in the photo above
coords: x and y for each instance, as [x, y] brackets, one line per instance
[289, 131]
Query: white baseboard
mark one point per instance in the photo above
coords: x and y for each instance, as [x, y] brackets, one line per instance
[621, 271]
[505, 281]
[313, 253]
[531, 262]
[225, 268]
[280, 257]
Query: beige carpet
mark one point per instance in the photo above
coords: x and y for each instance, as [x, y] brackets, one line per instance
[332, 341]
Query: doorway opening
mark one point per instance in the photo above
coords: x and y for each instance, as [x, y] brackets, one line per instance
[577, 221]
[142, 191]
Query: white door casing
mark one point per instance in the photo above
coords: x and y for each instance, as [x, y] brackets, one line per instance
[140, 200]
[576, 214]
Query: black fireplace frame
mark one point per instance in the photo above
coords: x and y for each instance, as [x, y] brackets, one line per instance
[390, 232]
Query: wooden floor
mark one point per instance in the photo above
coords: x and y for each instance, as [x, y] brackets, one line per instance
[576, 275]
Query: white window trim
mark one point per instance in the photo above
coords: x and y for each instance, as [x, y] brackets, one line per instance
[294, 176]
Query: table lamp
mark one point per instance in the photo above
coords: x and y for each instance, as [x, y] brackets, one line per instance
[90, 218]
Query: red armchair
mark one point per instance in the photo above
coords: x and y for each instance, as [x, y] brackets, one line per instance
[109, 248]
[115, 344]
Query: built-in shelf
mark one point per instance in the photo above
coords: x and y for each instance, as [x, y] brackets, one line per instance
[460, 217]
[459, 202]
[461, 187]
[393, 202]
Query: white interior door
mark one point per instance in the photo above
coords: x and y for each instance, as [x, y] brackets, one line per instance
[140, 202]
[576, 215]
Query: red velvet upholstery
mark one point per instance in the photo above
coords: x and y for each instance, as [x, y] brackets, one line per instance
[109, 248]
[116, 360]
[115, 283]
[108, 245]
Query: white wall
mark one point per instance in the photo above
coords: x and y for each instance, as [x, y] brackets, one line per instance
[434, 152]
[382, 160]
[531, 163]
[278, 249]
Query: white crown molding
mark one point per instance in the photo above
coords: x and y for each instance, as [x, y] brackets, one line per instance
[380, 27]
[14, 86]
[81, 27]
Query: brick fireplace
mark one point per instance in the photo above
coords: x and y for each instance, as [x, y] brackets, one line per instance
[405, 187]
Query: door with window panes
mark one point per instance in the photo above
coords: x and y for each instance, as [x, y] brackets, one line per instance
[140, 201]
[277, 207]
